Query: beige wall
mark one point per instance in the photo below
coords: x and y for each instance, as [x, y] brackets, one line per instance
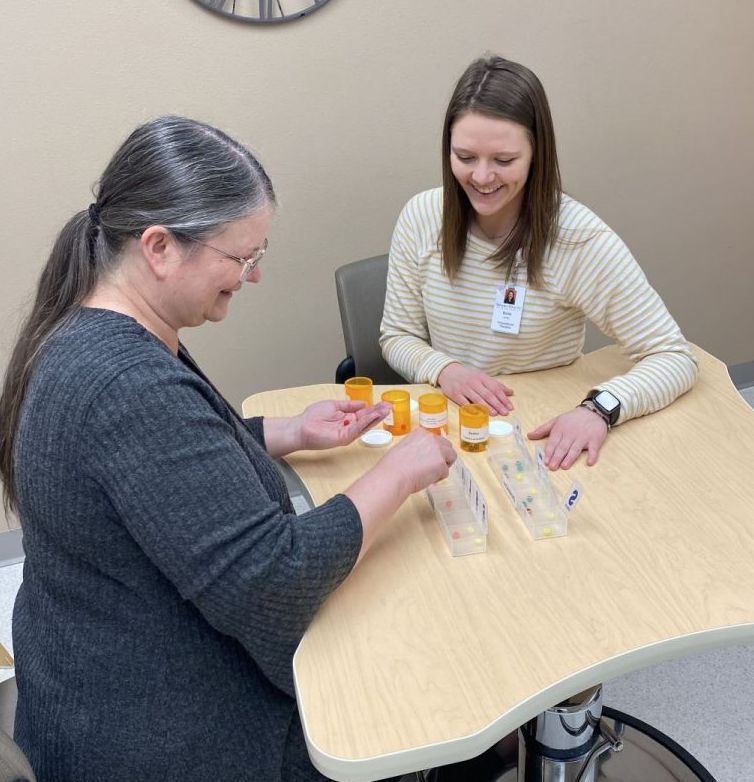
[652, 104]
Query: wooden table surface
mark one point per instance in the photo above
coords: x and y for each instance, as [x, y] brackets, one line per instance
[422, 659]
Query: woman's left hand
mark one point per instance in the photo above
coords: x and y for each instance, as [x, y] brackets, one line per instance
[569, 434]
[336, 422]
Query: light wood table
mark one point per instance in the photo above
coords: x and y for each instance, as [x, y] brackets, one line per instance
[421, 659]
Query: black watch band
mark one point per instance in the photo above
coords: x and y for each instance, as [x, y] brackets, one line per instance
[606, 403]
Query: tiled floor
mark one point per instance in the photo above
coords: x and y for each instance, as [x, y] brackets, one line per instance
[705, 701]
[748, 395]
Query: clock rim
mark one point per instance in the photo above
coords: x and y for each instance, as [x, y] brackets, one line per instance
[276, 20]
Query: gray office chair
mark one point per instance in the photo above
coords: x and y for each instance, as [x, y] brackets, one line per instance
[361, 297]
[14, 766]
[8, 701]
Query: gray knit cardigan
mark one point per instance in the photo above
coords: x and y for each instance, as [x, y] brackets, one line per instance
[167, 579]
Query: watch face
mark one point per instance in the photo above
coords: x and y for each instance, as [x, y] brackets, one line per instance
[607, 401]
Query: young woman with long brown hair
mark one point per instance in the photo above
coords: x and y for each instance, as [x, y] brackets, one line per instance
[501, 220]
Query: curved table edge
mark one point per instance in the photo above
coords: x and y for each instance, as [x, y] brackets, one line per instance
[464, 747]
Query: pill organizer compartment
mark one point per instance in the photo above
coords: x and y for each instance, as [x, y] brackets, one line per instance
[461, 512]
[528, 487]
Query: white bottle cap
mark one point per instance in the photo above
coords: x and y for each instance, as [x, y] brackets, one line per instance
[376, 438]
[499, 428]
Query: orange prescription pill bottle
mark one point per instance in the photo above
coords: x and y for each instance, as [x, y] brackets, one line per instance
[433, 413]
[473, 427]
[398, 420]
[359, 389]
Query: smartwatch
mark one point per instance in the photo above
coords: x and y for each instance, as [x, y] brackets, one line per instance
[606, 403]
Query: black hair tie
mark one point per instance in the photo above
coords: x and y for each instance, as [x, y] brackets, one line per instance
[94, 214]
[93, 232]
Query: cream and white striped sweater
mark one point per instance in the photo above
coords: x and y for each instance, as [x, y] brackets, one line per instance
[589, 273]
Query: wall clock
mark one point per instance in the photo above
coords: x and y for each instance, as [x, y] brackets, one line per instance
[263, 11]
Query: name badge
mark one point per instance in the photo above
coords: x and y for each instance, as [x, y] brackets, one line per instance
[509, 307]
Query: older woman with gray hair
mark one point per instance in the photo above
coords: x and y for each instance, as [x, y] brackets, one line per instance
[167, 579]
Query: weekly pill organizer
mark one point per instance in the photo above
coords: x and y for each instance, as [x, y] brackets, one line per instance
[461, 508]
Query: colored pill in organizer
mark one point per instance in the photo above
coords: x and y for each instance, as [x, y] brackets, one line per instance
[455, 535]
[519, 476]
[547, 532]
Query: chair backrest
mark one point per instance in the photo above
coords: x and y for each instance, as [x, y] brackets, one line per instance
[14, 765]
[8, 700]
[361, 298]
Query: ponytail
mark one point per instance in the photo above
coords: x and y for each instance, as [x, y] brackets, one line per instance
[66, 280]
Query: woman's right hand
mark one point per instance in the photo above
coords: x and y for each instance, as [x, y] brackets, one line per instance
[463, 384]
[418, 460]
[409, 466]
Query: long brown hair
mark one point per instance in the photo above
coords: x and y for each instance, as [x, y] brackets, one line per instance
[503, 89]
[171, 171]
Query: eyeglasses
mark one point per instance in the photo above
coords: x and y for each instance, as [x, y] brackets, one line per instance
[248, 264]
